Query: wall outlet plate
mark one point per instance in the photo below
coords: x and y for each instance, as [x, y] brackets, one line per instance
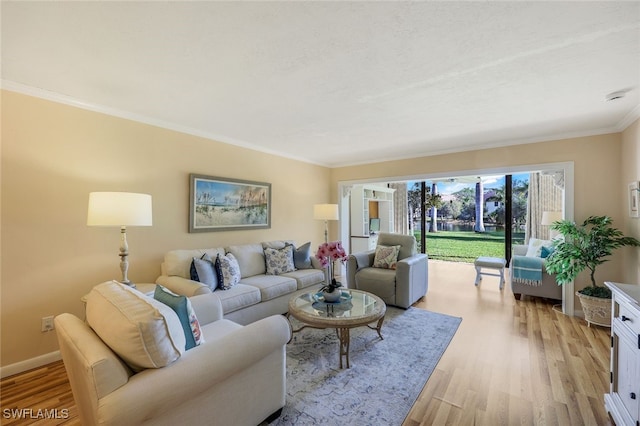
[47, 324]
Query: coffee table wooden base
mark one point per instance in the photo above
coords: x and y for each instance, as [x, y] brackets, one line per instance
[345, 339]
[367, 309]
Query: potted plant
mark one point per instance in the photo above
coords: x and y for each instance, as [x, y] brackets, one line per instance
[328, 253]
[584, 247]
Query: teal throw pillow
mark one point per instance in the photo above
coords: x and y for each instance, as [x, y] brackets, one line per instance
[546, 251]
[182, 307]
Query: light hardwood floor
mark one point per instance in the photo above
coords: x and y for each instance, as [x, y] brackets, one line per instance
[510, 363]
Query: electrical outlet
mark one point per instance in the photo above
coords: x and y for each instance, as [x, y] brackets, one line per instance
[47, 324]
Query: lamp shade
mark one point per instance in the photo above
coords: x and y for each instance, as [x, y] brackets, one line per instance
[549, 217]
[325, 212]
[119, 209]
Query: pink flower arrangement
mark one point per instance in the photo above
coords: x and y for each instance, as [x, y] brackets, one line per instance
[329, 252]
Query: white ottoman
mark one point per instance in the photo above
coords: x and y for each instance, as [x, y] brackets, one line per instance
[493, 263]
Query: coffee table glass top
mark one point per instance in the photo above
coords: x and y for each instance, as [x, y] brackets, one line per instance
[355, 306]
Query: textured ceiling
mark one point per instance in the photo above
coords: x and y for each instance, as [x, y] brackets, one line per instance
[336, 83]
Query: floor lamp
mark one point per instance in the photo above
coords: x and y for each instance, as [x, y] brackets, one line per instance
[120, 209]
[326, 212]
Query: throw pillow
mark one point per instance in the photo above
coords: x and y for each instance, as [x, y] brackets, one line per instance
[205, 271]
[535, 247]
[302, 256]
[386, 257]
[230, 270]
[546, 251]
[279, 261]
[187, 316]
[145, 333]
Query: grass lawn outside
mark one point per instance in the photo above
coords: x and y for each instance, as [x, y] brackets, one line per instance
[465, 246]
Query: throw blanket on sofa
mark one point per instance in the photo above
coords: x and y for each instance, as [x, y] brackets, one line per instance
[527, 270]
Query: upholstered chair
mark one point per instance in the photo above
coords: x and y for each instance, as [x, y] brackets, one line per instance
[400, 284]
[548, 288]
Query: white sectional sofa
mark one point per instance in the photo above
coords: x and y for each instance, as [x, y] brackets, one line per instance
[258, 294]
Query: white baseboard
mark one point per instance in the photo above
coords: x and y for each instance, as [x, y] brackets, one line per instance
[39, 361]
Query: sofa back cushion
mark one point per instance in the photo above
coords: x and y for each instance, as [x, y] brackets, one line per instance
[178, 262]
[144, 332]
[250, 258]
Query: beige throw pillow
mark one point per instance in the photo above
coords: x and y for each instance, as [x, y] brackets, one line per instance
[386, 257]
[144, 332]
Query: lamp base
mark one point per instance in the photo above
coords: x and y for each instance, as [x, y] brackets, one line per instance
[129, 283]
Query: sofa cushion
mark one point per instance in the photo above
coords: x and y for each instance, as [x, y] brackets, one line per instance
[230, 270]
[379, 281]
[271, 286]
[306, 277]
[279, 261]
[238, 297]
[178, 262]
[182, 307]
[250, 257]
[386, 257]
[144, 332]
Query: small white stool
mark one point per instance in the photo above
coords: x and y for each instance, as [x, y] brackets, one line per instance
[494, 263]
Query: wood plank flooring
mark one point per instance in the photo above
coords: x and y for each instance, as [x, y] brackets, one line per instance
[510, 363]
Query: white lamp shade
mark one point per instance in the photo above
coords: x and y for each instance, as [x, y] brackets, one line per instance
[119, 209]
[549, 217]
[325, 212]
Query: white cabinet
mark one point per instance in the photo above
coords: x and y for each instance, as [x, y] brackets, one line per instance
[623, 400]
[370, 202]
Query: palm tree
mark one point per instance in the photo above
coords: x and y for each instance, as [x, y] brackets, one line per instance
[479, 226]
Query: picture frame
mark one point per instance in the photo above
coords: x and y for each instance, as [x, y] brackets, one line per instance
[633, 199]
[223, 204]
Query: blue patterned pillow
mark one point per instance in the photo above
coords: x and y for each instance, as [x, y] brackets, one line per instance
[279, 261]
[230, 271]
[182, 307]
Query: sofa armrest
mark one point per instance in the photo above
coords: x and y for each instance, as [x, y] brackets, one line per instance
[207, 307]
[357, 261]
[183, 286]
[195, 373]
[411, 279]
[519, 250]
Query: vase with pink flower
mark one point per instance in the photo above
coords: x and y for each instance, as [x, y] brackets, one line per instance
[327, 254]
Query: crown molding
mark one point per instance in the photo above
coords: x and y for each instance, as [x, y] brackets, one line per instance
[13, 86]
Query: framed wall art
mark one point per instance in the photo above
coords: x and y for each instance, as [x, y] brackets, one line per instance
[633, 199]
[221, 204]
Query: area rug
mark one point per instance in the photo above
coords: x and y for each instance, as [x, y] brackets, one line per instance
[385, 378]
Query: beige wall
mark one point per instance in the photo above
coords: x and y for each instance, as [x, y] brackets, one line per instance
[53, 155]
[630, 173]
[597, 175]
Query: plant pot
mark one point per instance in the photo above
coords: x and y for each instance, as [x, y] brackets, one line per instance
[332, 297]
[597, 310]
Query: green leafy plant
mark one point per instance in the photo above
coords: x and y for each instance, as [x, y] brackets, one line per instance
[584, 247]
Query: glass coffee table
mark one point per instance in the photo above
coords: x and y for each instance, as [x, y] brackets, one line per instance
[356, 308]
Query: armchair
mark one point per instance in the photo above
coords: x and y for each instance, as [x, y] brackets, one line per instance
[549, 287]
[236, 376]
[398, 287]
